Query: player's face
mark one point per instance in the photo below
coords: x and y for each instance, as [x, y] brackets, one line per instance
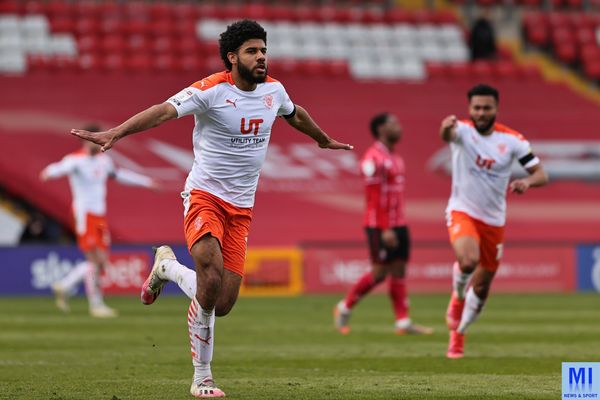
[252, 61]
[391, 130]
[483, 111]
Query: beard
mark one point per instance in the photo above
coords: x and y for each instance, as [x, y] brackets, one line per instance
[248, 75]
[487, 126]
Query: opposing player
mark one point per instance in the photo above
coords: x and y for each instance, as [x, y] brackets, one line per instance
[483, 152]
[88, 170]
[234, 111]
[385, 226]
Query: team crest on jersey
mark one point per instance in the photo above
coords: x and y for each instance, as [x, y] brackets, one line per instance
[502, 148]
[268, 100]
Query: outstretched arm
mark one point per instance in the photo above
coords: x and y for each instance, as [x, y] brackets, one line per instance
[57, 169]
[305, 124]
[130, 178]
[149, 118]
[448, 128]
[537, 177]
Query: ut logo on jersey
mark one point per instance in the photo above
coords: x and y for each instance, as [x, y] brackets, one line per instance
[485, 163]
[252, 124]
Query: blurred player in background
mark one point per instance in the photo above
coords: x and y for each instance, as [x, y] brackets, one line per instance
[88, 170]
[234, 111]
[385, 225]
[483, 152]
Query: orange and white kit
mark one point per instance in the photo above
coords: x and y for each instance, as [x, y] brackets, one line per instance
[490, 238]
[207, 214]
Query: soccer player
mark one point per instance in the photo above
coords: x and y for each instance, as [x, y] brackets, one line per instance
[234, 111]
[482, 154]
[88, 170]
[385, 226]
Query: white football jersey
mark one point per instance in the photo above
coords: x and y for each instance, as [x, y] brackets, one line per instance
[231, 135]
[87, 177]
[481, 167]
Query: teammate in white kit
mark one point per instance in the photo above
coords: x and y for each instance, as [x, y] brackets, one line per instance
[234, 111]
[483, 152]
[88, 170]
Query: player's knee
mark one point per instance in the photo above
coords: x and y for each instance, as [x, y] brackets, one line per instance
[468, 262]
[481, 290]
[224, 306]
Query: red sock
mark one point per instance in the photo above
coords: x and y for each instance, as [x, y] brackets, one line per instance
[360, 288]
[399, 297]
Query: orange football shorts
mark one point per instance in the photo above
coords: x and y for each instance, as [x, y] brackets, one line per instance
[96, 234]
[208, 214]
[490, 238]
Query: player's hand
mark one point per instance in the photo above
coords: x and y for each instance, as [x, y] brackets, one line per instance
[449, 122]
[105, 139]
[335, 145]
[519, 186]
[43, 176]
[389, 239]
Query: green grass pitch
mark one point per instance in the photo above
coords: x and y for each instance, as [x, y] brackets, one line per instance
[286, 348]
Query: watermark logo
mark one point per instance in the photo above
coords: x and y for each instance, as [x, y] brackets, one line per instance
[581, 380]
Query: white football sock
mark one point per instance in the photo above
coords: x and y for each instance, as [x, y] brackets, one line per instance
[473, 307]
[201, 324]
[92, 286]
[180, 274]
[70, 281]
[460, 280]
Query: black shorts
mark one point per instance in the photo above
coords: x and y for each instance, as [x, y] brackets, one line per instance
[380, 254]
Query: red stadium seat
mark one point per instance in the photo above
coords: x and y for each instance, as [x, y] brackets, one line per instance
[337, 69]
[87, 26]
[162, 27]
[160, 11]
[10, 7]
[255, 11]
[566, 52]
[191, 63]
[208, 10]
[373, 16]
[113, 44]
[86, 9]
[113, 62]
[138, 44]
[305, 13]
[538, 35]
[137, 26]
[163, 45]
[585, 36]
[284, 67]
[60, 9]
[88, 44]
[445, 17]
[62, 24]
[113, 26]
[186, 11]
[459, 70]
[164, 63]
[89, 62]
[230, 11]
[592, 69]
[590, 52]
[506, 70]
[280, 13]
[437, 70]
[184, 27]
[398, 15]
[482, 69]
[110, 9]
[187, 45]
[35, 7]
[139, 63]
[136, 10]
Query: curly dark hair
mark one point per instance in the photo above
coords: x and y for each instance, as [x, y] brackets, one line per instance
[376, 122]
[236, 34]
